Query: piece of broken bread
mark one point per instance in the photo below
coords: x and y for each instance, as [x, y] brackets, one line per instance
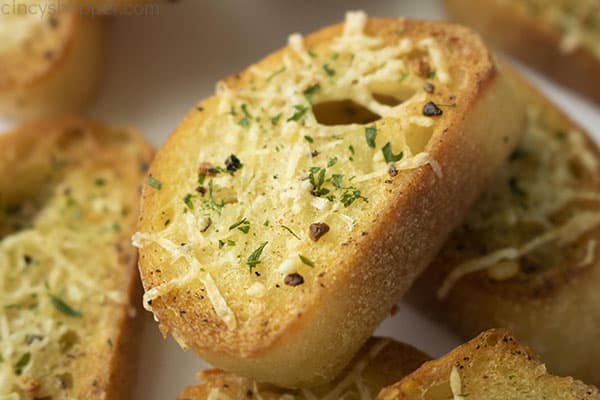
[286, 214]
[51, 59]
[69, 198]
[561, 38]
[527, 256]
[380, 363]
[493, 366]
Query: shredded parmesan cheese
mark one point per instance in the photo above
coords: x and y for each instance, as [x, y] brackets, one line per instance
[294, 168]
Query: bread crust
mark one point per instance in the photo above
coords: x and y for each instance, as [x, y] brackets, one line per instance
[375, 268]
[101, 369]
[506, 362]
[57, 71]
[556, 312]
[530, 40]
[380, 363]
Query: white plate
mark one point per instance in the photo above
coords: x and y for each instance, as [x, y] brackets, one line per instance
[159, 66]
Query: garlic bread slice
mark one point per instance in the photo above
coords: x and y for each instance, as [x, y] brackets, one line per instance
[380, 363]
[69, 195]
[493, 366]
[527, 256]
[286, 214]
[561, 38]
[51, 62]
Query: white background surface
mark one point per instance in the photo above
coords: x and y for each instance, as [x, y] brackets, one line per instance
[159, 66]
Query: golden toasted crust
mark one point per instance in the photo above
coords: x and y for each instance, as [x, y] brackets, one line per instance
[366, 272]
[378, 364]
[56, 70]
[45, 163]
[551, 301]
[492, 366]
[531, 40]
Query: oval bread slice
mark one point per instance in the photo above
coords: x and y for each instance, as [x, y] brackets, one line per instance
[493, 366]
[286, 214]
[69, 195]
[527, 256]
[51, 64]
[561, 38]
[379, 363]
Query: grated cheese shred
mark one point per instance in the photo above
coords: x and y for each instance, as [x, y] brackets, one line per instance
[271, 125]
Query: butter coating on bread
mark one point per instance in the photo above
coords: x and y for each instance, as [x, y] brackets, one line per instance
[561, 38]
[69, 197]
[492, 366]
[51, 63]
[380, 363]
[286, 214]
[527, 256]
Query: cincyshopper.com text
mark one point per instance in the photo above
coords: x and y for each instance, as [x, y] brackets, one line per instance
[45, 8]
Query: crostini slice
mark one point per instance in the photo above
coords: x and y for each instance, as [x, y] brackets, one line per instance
[380, 363]
[51, 59]
[561, 38]
[527, 256]
[493, 366]
[288, 213]
[69, 199]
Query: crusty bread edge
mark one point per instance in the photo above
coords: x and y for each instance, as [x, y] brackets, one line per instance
[120, 373]
[530, 41]
[70, 83]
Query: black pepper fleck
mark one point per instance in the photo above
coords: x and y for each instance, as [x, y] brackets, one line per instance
[294, 279]
[317, 230]
[428, 87]
[233, 163]
[392, 170]
[201, 190]
[431, 110]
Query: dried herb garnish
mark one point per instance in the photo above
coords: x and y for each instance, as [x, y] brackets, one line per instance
[389, 155]
[306, 261]
[291, 232]
[64, 308]
[254, 258]
[299, 113]
[22, 363]
[371, 135]
[242, 225]
[328, 70]
[188, 201]
[309, 91]
[152, 182]
[309, 139]
[275, 73]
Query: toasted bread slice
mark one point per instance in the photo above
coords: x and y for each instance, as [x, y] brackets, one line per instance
[380, 363]
[69, 198]
[561, 38]
[527, 256]
[51, 64]
[288, 213]
[492, 366]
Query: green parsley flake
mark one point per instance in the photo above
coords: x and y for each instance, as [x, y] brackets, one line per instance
[328, 70]
[306, 261]
[254, 258]
[275, 73]
[64, 308]
[309, 139]
[188, 201]
[291, 232]
[152, 182]
[242, 225]
[299, 113]
[388, 155]
[370, 135]
[22, 363]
